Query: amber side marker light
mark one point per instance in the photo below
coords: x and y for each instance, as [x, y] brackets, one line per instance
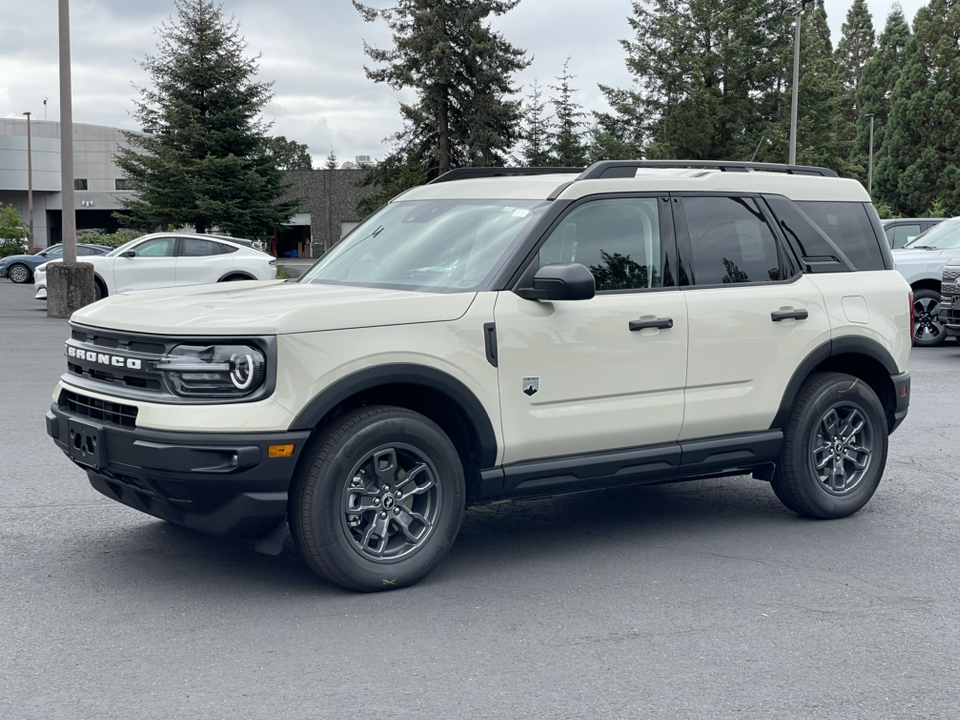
[280, 451]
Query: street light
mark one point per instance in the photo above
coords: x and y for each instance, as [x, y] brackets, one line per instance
[29, 179]
[870, 161]
[69, 216]
[795, 11]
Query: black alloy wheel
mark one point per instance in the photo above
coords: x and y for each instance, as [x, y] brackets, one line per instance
[19, 273]
[378, 499]
[929, 331]
[834, 448]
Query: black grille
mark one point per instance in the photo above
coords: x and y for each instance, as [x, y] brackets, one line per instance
[950, 286]
[99, 410]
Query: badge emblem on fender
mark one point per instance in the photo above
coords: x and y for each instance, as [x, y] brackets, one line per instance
[530, 386]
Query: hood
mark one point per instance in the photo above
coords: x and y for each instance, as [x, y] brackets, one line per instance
[907, 255]
[268, 308]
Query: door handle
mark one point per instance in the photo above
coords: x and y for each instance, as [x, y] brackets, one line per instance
[800, 314]
[658, 324]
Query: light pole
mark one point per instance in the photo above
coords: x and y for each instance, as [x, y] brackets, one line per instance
[69, 222]
[870, 161]
[796, 11]
[30, 179]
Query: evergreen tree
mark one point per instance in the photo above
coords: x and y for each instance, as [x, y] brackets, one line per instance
[880, 76]
[288, 154]
[461, 72]
[331, 162]
[537, 131]
[567, 148]
[703, 72]
[202, 158]
[857, 45]
[921, 147]
[822, 134]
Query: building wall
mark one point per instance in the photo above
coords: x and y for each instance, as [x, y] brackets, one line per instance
[94, 148]
[330, 197]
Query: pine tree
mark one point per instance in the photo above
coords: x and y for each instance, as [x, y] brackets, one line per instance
[537, 131]
[857, 45]
[880, 76]
[703, 72]
[822, 134]
[331, 162]
[567, 148]
[921, 147]
[461, 72]
[202, 158]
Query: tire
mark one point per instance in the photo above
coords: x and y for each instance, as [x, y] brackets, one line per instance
[99, 289]
[929, 331]
[19, 273]
[235, 278]
[828, 407]
[364, 463]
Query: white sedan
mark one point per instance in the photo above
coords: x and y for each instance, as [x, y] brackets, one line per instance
[164, 260]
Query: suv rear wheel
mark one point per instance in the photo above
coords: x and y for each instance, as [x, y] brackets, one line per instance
[379, 501]
[834, 449]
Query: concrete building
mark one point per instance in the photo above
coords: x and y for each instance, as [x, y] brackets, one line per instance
[328, 197]
[99, 183]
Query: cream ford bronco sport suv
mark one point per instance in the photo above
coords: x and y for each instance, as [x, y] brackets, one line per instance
[485, 338]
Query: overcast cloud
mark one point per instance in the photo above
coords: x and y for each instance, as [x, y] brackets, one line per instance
[313, 51]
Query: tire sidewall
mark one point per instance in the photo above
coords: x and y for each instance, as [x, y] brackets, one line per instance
[918, 295]
[329, 481]
[798, 462]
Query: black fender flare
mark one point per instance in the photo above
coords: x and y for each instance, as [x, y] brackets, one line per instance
[246, 276]
[831, 348]
[405, 374]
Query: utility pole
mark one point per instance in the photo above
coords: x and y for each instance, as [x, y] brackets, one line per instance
[30, 179]
[870, 161]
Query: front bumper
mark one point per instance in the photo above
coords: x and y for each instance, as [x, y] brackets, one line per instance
[950, 314]
[217, 483]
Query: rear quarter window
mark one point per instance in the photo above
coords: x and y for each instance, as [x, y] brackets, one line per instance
[850, 227]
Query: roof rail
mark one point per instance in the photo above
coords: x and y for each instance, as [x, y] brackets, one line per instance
[469, 173]
[628, 168]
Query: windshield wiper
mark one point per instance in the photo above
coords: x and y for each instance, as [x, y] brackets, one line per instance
[923, 247]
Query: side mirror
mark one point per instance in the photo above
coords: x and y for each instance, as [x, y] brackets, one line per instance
[128, 254]
[561, 281]
[42, 253]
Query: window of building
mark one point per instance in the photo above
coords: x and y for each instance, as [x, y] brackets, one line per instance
[731, 242]
[80, 184]
[121, 184]
[617, 240]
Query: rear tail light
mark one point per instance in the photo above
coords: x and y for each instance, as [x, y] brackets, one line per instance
[913, 319]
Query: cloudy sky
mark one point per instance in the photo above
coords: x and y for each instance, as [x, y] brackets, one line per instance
[313, 51]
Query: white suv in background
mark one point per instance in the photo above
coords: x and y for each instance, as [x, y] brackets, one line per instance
[171, 259]
[488, 337]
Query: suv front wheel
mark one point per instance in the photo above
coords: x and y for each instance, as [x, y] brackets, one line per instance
[379, 501]
[834, 448]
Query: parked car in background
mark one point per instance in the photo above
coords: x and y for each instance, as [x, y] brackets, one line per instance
[922, 262]
[900, 231]
[168, 259]
[20, 268]
[950, 298]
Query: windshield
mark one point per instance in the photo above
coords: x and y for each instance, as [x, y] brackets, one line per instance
[944, 236]
[432, 245]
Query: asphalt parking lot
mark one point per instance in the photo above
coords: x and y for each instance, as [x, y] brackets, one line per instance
[696, 600]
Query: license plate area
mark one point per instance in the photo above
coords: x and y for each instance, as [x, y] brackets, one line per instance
[85, 443]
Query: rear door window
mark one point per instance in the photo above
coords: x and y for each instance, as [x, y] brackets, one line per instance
[849, 226]
[731, 242]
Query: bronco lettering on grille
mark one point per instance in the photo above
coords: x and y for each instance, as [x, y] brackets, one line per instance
[104, 358]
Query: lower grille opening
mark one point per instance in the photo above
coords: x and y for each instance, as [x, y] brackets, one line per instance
[100, 410]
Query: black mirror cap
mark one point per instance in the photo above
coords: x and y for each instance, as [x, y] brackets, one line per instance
[128, 254]
[561, 281]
